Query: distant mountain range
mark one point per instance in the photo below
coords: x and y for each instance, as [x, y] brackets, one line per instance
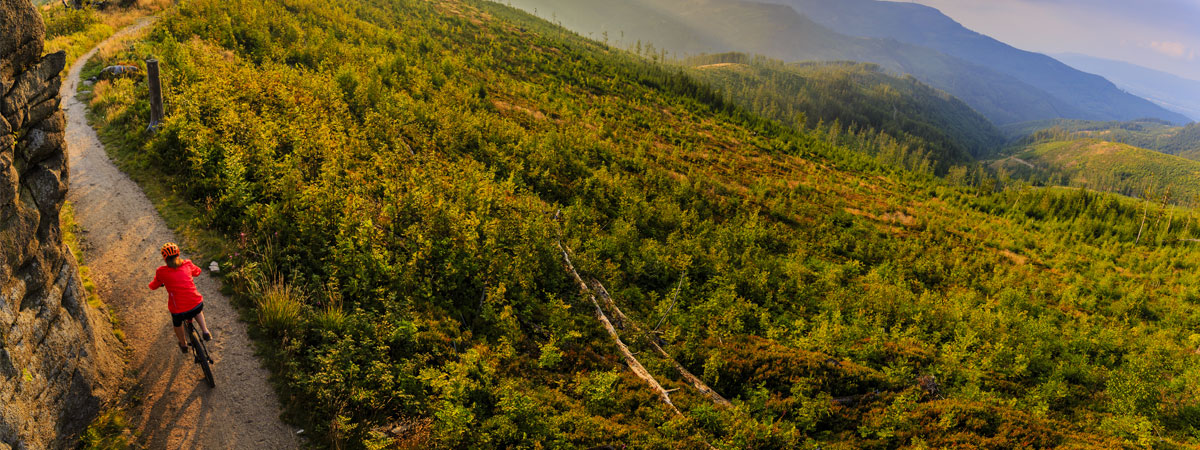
[921, 25]
[1004, 84]
[1167, 90]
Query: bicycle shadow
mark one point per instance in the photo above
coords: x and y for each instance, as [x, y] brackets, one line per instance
[181, 396]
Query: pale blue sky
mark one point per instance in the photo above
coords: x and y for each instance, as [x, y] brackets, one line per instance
[1160, 34]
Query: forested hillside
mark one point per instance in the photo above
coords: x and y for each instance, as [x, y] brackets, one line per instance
[1108, 166]
[688, 27]
[1149, 134]
[927, 27]
[399, 181]
[923, 122]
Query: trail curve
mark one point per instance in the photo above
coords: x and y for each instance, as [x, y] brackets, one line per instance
[122, 234]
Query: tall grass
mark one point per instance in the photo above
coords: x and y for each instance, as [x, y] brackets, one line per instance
[279, 305]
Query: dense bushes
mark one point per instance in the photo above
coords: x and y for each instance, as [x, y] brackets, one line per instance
[77, 30]
[408, 168]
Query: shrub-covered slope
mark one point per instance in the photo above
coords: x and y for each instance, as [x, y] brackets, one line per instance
[1148, 133]
[857, 96]
[1109, 166]
[395, 176]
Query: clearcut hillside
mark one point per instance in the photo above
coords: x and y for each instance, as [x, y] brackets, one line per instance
[393, 179]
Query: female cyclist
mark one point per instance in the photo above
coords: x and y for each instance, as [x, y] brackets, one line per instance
[183, 300]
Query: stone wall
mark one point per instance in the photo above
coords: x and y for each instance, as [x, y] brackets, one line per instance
[58, 360]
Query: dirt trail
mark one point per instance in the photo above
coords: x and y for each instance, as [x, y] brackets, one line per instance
[123, 233]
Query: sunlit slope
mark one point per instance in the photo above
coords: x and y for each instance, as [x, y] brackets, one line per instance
[855, 96]
[395, 178]
[1150, 134]
[1114, 167]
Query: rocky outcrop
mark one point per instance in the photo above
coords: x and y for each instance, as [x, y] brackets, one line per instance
[58, 360]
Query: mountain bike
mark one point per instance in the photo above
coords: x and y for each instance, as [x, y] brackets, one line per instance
[200, 350]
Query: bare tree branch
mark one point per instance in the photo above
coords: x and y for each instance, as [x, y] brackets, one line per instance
[673, 299]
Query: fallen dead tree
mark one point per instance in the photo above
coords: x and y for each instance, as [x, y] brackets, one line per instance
[653, 342]
[634, 366]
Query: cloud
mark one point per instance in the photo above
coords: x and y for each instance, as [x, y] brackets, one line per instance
[1173, 49]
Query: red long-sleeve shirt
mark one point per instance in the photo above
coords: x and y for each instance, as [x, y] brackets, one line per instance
[182, 295]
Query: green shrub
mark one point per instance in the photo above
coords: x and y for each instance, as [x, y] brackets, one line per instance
[110, 431]
[67, 21]
[550, 356]
[279, 306]
[598, 390]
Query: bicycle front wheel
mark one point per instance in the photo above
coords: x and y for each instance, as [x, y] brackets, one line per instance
[202, 357]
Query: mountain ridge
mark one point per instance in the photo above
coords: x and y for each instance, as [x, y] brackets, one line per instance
[1168, 90]
[780, 32]
[928, 27]
[859, 96]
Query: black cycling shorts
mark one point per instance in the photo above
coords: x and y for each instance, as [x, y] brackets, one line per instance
[178, 319]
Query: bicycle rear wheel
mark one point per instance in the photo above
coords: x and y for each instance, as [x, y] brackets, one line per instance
[202, 357]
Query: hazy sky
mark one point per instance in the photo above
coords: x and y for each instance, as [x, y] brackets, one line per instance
[1160, 34]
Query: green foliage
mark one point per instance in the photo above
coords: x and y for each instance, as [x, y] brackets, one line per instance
[1150, 134]
[75, 31]
[110, 431]
[598, 391]
[551, 356]
[1108, 166]
[67, 21]
[411, 165]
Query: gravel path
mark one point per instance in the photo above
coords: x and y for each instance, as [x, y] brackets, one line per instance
[122, 235]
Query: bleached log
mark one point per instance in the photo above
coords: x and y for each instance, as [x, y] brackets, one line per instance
[634, 366]
[653, 341]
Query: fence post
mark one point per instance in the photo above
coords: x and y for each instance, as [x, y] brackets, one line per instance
[156, 107]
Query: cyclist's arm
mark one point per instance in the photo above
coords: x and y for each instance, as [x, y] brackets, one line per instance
[155, 284]
[195, 269]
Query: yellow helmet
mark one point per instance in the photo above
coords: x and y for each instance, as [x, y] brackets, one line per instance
[170, 249]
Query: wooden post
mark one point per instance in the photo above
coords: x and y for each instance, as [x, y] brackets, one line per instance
[156, 106]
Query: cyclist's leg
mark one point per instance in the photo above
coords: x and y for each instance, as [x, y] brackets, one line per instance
[180, 334]
[203, 326]
[177, 322]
